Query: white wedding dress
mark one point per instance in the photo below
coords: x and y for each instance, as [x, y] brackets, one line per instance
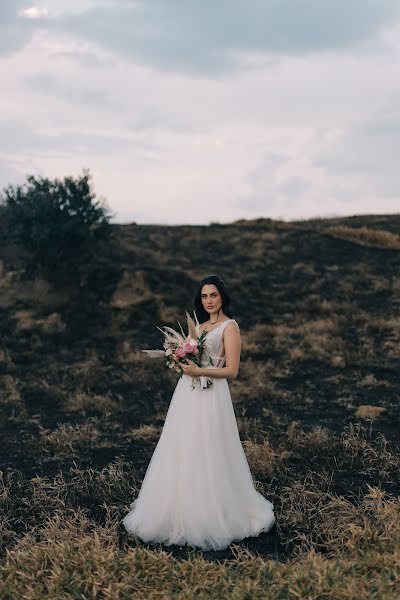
[198, 489]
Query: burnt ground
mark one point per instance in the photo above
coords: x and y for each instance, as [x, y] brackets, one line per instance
[318, 309]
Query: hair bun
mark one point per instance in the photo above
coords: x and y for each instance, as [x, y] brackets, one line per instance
[215, 277]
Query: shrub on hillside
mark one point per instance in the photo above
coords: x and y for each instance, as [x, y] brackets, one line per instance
[57, 222]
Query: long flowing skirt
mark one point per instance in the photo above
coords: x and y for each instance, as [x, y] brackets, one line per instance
[198, 489]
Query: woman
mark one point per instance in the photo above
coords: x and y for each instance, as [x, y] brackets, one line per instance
[198, 489]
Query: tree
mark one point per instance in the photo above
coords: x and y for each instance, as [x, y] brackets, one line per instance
[57, 222]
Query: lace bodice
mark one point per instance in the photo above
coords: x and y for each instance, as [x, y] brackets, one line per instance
[214, 347]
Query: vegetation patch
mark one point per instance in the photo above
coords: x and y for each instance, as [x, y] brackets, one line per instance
[316, 402]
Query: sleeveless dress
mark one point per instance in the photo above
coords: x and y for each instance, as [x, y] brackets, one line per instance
[198, 489]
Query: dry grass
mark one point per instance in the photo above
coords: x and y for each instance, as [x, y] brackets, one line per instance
[131, 290]
[6, 362]
[250, 429]
[86, 367]
[371, 381]
[261, 384]
[365, 236]
[71, 557]
[390, 330]
[296, 341]
[144, 432]
[69, 438]
[12, 408]
[26, 320]
[320, 339]
[351, 450]
[337, 526]
[83, 402]
[326, 346]
[262, 458]
[305, 269]
[369, 411]
[16, 287]
[126, 354]
[256, 246]
[341, 547]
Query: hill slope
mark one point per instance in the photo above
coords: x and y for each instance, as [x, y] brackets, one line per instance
[316, 400]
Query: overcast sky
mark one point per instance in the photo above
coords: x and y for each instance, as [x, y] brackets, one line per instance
[189, 111]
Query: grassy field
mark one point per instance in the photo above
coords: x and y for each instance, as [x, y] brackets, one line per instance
[318, 304]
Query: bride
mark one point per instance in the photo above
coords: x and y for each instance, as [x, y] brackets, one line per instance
[198, 489]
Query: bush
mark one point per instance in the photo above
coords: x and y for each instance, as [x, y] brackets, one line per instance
[57, 222]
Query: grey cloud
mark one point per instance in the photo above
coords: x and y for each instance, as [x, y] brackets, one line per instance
[206, 37]
[157, 119]
[70, 92]
[361, 163]
[15, 32]
[268, 190]
[293, 186]
[88, 59]
[9, 10]
[139, 118]
[366, 157]
[19, 138]
[370, 147]
[9, 174]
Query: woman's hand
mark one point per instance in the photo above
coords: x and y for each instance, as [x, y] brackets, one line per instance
[190, 369]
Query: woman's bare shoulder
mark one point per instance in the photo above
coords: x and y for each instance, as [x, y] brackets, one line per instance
[232, 325]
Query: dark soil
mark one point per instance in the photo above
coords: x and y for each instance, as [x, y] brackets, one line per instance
[287, 281]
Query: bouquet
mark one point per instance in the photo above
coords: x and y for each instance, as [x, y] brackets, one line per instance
[180, 346]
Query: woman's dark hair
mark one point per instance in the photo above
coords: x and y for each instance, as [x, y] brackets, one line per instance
[219, 283]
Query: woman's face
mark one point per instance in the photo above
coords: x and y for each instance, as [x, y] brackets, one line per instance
[211, 298]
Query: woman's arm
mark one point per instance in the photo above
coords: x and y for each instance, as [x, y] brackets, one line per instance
[232, 345]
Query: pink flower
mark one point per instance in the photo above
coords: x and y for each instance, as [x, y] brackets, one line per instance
[181, 352]
[190, 348]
